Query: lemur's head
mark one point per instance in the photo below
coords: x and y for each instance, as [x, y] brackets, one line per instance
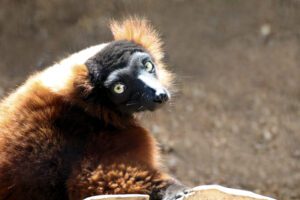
[128, 75]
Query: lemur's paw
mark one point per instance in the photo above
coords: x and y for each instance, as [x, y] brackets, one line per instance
[176, 192]
[181, 194]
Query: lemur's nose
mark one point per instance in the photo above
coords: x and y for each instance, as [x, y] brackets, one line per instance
[161, 98]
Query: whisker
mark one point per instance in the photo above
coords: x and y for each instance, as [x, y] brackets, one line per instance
[131, 104]
[141, 107]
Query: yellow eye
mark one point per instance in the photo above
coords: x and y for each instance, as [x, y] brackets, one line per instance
[149, 66]
[119, 88]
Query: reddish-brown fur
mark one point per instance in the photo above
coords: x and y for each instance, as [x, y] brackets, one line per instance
[54, 145]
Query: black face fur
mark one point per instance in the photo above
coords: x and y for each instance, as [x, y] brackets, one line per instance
[124, 78]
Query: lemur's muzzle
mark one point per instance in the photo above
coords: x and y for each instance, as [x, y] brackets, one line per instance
[161, 98]
[150, 81]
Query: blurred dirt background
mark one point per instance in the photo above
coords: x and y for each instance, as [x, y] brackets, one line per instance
[236, 118]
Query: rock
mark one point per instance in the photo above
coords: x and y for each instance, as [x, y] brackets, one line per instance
[205, 192]
[217, 192]
[119, 197]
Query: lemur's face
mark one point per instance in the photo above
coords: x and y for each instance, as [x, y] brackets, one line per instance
[126, 77]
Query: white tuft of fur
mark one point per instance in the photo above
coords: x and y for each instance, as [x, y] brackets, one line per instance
[57, 76]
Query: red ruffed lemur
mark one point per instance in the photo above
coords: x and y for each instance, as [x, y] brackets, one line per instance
[70, 132]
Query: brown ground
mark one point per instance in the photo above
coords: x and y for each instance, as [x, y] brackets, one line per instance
[236, 119]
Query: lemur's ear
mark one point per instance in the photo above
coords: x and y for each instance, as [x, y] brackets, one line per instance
[140, 31]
